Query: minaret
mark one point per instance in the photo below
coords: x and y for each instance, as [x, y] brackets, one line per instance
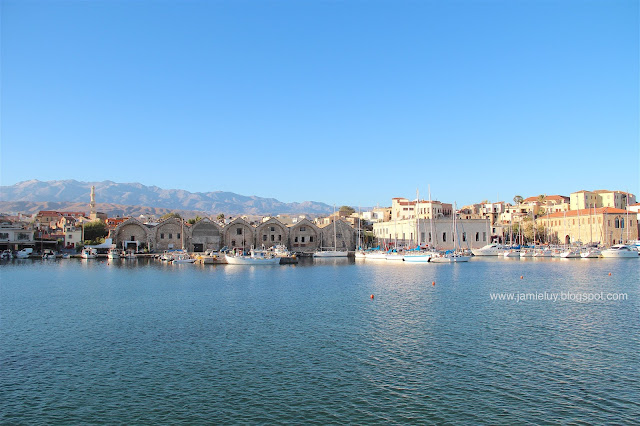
[92, 204]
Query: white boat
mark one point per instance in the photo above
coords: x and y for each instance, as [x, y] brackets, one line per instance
[619, 250]
[394, 256]
[449, 258]
[527, 253]
[256, 257]
[570, 254]
[512, 253]
[543, 253]
[335, 252]
[114, 253]
[281, 251]
[130, 254]
[418, 257]
[376, 255]
[48, 254]
[6, 255]
[24, 253]
[88, 253]
[182, 258]
[331, 253]
[360, 254]
[490, 250]
[591, 253]
[66, 256]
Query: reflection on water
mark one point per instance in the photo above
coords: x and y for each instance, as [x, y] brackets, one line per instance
[147, 342]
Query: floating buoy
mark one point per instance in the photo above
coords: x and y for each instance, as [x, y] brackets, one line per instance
[521, 277]
[433, 283]
[372, 296]
[609, 273]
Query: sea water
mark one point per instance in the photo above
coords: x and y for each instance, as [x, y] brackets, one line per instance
[330, 341]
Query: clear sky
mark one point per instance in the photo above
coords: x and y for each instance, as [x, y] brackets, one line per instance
[345, 102]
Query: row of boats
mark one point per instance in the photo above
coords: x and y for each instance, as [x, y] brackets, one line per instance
[585, 252]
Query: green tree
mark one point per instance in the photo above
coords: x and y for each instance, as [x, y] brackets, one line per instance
[220, 217]
[170, 215]
[194, 221]
[94, 230]
[518, 199]
[349, 210]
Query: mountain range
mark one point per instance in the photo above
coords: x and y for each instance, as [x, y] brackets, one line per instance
[112, 196]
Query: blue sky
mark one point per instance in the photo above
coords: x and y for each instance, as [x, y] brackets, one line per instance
[342, 102]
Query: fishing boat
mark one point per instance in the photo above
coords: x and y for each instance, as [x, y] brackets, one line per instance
[114, 253]
[256, 257]
[182, 258]
[88, 253]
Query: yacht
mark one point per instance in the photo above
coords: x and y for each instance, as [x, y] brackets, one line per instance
[512, 253]
[527, 253]
[591, 253]
[450, 258]
[619, 250]
[570, 254]
[546, 252]
[418, 257]
[182, 258]
[489, 250]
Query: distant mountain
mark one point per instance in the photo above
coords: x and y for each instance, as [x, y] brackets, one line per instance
[136, 194]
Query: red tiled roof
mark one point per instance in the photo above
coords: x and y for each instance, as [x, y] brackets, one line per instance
[584, 212]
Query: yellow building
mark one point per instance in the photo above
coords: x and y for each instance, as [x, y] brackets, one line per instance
[604, 225]
[601, 198]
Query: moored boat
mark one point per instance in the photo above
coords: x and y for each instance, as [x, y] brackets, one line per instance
[256, 257]
[88, 253]
[489, 250]
[620, 250]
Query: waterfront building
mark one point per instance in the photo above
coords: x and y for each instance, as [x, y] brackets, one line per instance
[304, 236]
[402, 208]
[471, 233]
[605, 225]
[13, 237]
[205, 235]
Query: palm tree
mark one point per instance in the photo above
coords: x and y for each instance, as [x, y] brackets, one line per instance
[518, 199]
[220, 217]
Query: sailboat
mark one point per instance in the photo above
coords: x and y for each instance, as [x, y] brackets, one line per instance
[453, 256]
[335, 252]
[416, 255]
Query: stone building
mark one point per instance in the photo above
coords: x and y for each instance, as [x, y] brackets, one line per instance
[170, 235]
[604, 225]
[133, 234]
[239, 234]
[304, 236]
[339, 235]
[205, 235]
[272, 232]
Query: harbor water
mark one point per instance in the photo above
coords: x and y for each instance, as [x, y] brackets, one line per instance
[323, 342]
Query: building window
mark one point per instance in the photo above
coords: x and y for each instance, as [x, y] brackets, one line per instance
[273, 237]
[617, 223]
[170, 236]
[477, 236]
[302, 239]
[133, 238]
[233, 243]
[162, 236]
[264, 237]
[302, 229]
[4, 235]
[178, 235]
[464, 236]
[295, 240]
[484, 236]
[311, 238]
[444, 236]
[238, 231]
[279, 237]
[273, 229]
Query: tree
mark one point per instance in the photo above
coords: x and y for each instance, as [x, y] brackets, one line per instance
[349, 210]
[542, 198]
[518, 199]
[94, 230]
[194, 221]
[220, 217]
[170, 215]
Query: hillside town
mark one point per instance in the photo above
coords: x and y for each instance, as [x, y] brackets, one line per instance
[599, 217]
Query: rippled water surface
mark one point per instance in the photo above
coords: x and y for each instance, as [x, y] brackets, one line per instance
[145, 342]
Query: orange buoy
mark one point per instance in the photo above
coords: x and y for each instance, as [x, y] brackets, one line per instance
[372, 296]
[433, 283]
[609, 273]
[521, 277]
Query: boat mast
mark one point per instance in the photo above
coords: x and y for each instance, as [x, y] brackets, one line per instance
[417, 212]
[335, 241]
[432, 239]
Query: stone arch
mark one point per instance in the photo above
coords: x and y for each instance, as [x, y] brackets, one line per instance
[345, 236]
[171, 234]
[239, 234]
[304, 236]
[132, 233]
[272, 233]
[206, 235]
